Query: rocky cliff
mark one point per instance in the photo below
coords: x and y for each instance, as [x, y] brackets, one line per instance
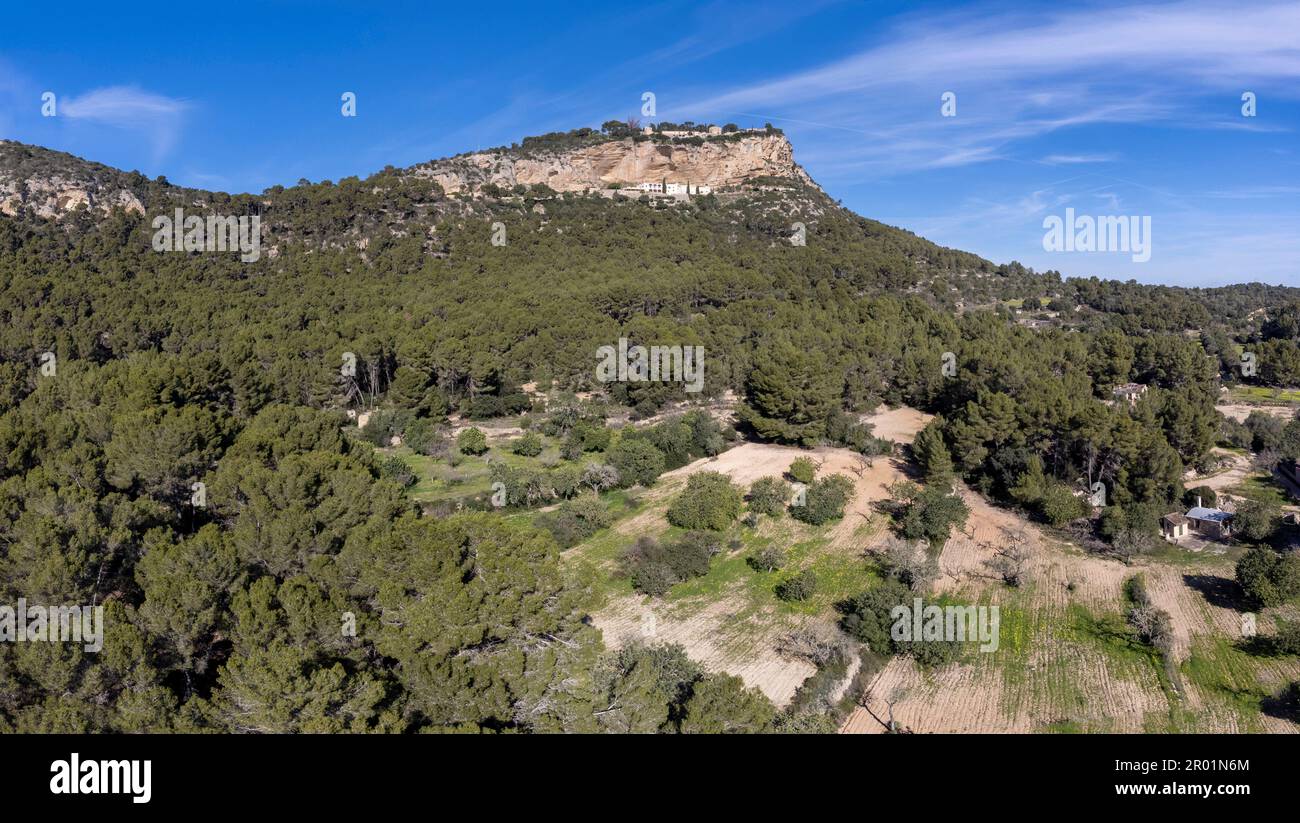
[51, 184]
[714, 162]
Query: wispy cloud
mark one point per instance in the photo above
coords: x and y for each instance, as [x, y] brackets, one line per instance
[1018, 77]
[1077, 159]
[156, 116]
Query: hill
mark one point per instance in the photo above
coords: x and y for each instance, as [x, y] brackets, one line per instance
[268, 473]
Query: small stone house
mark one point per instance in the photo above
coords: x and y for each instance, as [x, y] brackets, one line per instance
[1129, 392]
[1174, 527]
[1210, 522]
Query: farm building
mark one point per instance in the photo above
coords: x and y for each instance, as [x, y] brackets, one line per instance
[1129, 392]
[1174, 526]
[1207, 522]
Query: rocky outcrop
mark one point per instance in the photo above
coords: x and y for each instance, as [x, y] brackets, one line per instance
[716, 163]
[52, 184]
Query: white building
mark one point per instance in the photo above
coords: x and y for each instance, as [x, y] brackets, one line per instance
[674, 188]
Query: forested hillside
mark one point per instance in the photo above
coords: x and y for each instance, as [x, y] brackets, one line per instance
[177, 369]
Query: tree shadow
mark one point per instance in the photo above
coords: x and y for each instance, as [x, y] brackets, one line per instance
[1284, 704]
[1218, 591]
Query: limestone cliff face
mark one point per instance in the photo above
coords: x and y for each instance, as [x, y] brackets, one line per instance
[716, 163]
[52, 184]
[55, 197]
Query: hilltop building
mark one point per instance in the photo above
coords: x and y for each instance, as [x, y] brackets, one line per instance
[665, 187]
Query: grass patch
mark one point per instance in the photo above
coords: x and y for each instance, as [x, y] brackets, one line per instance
[1263, 488]
[1264, 395]
[1228, 676]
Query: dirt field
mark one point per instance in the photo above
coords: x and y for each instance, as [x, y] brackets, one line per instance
[1240, 411]
[726, 632]
[900, 424]
[1056, 668]
[1065, 662]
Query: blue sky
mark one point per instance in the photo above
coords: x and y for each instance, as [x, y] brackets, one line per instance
[1110, 109]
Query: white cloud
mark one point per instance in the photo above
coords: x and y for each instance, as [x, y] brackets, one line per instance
[1076, 159]
[1018, 77]
[130, 108]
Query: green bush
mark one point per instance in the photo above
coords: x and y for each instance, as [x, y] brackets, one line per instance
[768, 559]
[709, 501]
[530, 445]
[654, 566]
[423, 436]
[824, 500]
[385, 424]
[576, 520]
[1208, 497]
[802, 470]
[932, 515]
[638, 462]
[397, 470]
[800, 587]
[1059, 505]
[471, 441]
[1268, 578]
[768, 495]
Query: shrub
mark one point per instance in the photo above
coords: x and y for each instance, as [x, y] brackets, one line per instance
[654, 566]
[1256, 520]
[800, 587]
[932, 515]
[593, 437]
[471, 441]
[802, 470]
[566, 480]
[397, 470]
[524, 485]
[709, 501]
[576, 520]
[638, 462]
[1059, 505]
[1207, 496]
[423, 436]
[571, 448]
[825, 500]
[384, 424]
[1268, 578]
[867, 615]
[768, 559]
[1287, 638]
[530, 445]
[768, 495]
[599, 477]
[491, 405]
